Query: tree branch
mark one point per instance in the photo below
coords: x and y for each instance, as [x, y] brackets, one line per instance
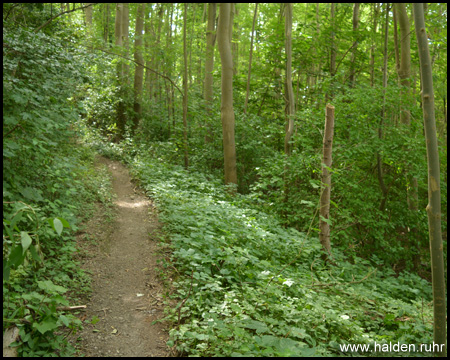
[154, 71]
[62, 13]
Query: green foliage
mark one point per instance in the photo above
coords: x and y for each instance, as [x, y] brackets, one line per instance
[48, 185]
[250, 285]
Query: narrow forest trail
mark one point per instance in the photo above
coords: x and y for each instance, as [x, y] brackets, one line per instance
[126, 295]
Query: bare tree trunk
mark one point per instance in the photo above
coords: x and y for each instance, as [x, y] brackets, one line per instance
[404, 71]
[355, 43]
[250, 59]
[384, 190]
[120, 74]
[126, 42]
[185, 88]
[375, 9]
[434, 191]
[330, 93]
[324, 227]
[227, 112]
[290, 106]
[209, 66]
[139, 72]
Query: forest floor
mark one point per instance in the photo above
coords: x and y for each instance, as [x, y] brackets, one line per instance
[126, 290]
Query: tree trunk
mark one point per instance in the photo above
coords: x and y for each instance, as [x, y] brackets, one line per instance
[384, 190]
[209, 67]
[330, 92]
[120, 75]
[290, 105]
[185, 96]
[355, 43]
[404, 71]
[139, 72]
[434, 192]
[227, 112]
[375, 11]
[126, 42]
[250, 59]
[324, 227]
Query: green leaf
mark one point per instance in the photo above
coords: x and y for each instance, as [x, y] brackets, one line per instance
[16, 256]
[58, 226]
[46, 325]
[25, 240]
[48, 286]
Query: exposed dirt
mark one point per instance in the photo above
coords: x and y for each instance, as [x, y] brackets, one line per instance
[127, 294]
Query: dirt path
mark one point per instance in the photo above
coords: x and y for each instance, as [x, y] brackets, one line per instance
[126, 291]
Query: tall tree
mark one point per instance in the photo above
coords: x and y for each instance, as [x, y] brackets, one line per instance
[185, 89]
[329, 94]
[120, 72]
[209, 66]
[227, 112]
[384, 189]
[250, 58]
[125, 39]
[290, 102]
[355, 43]
[324, 234]
[404, 70]
[139, 72]
[404, 73]
[434, 191]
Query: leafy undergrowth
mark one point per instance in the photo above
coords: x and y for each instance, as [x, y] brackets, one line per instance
[41, 277]
[251, 287]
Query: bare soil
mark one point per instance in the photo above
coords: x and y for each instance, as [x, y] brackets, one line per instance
[127, 293]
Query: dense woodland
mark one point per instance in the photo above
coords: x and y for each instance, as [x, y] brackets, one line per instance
[285, 237]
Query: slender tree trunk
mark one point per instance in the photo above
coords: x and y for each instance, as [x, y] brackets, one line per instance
[404, 71]
[324, 227]
[433, 208]
[375, 11]
[209, 67]
[250, 59]
[139, 72]
[88, 15]
[384, 190]
[185, 96]
[120, 121]
[330, 93]
[126, 42]
[148, 51]
[355, 43]
[434, 191]
[227, 112]
[290, 106]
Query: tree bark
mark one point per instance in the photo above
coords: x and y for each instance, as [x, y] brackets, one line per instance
[227, 112]
[185, 96]
[209, 66]
[250, 59]
[355, 43]
[290, 102]
[125, 39]
[120, 121]
[434, 192]
[404, 71]
[139, 72]
[384, 190]
[324, 227]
